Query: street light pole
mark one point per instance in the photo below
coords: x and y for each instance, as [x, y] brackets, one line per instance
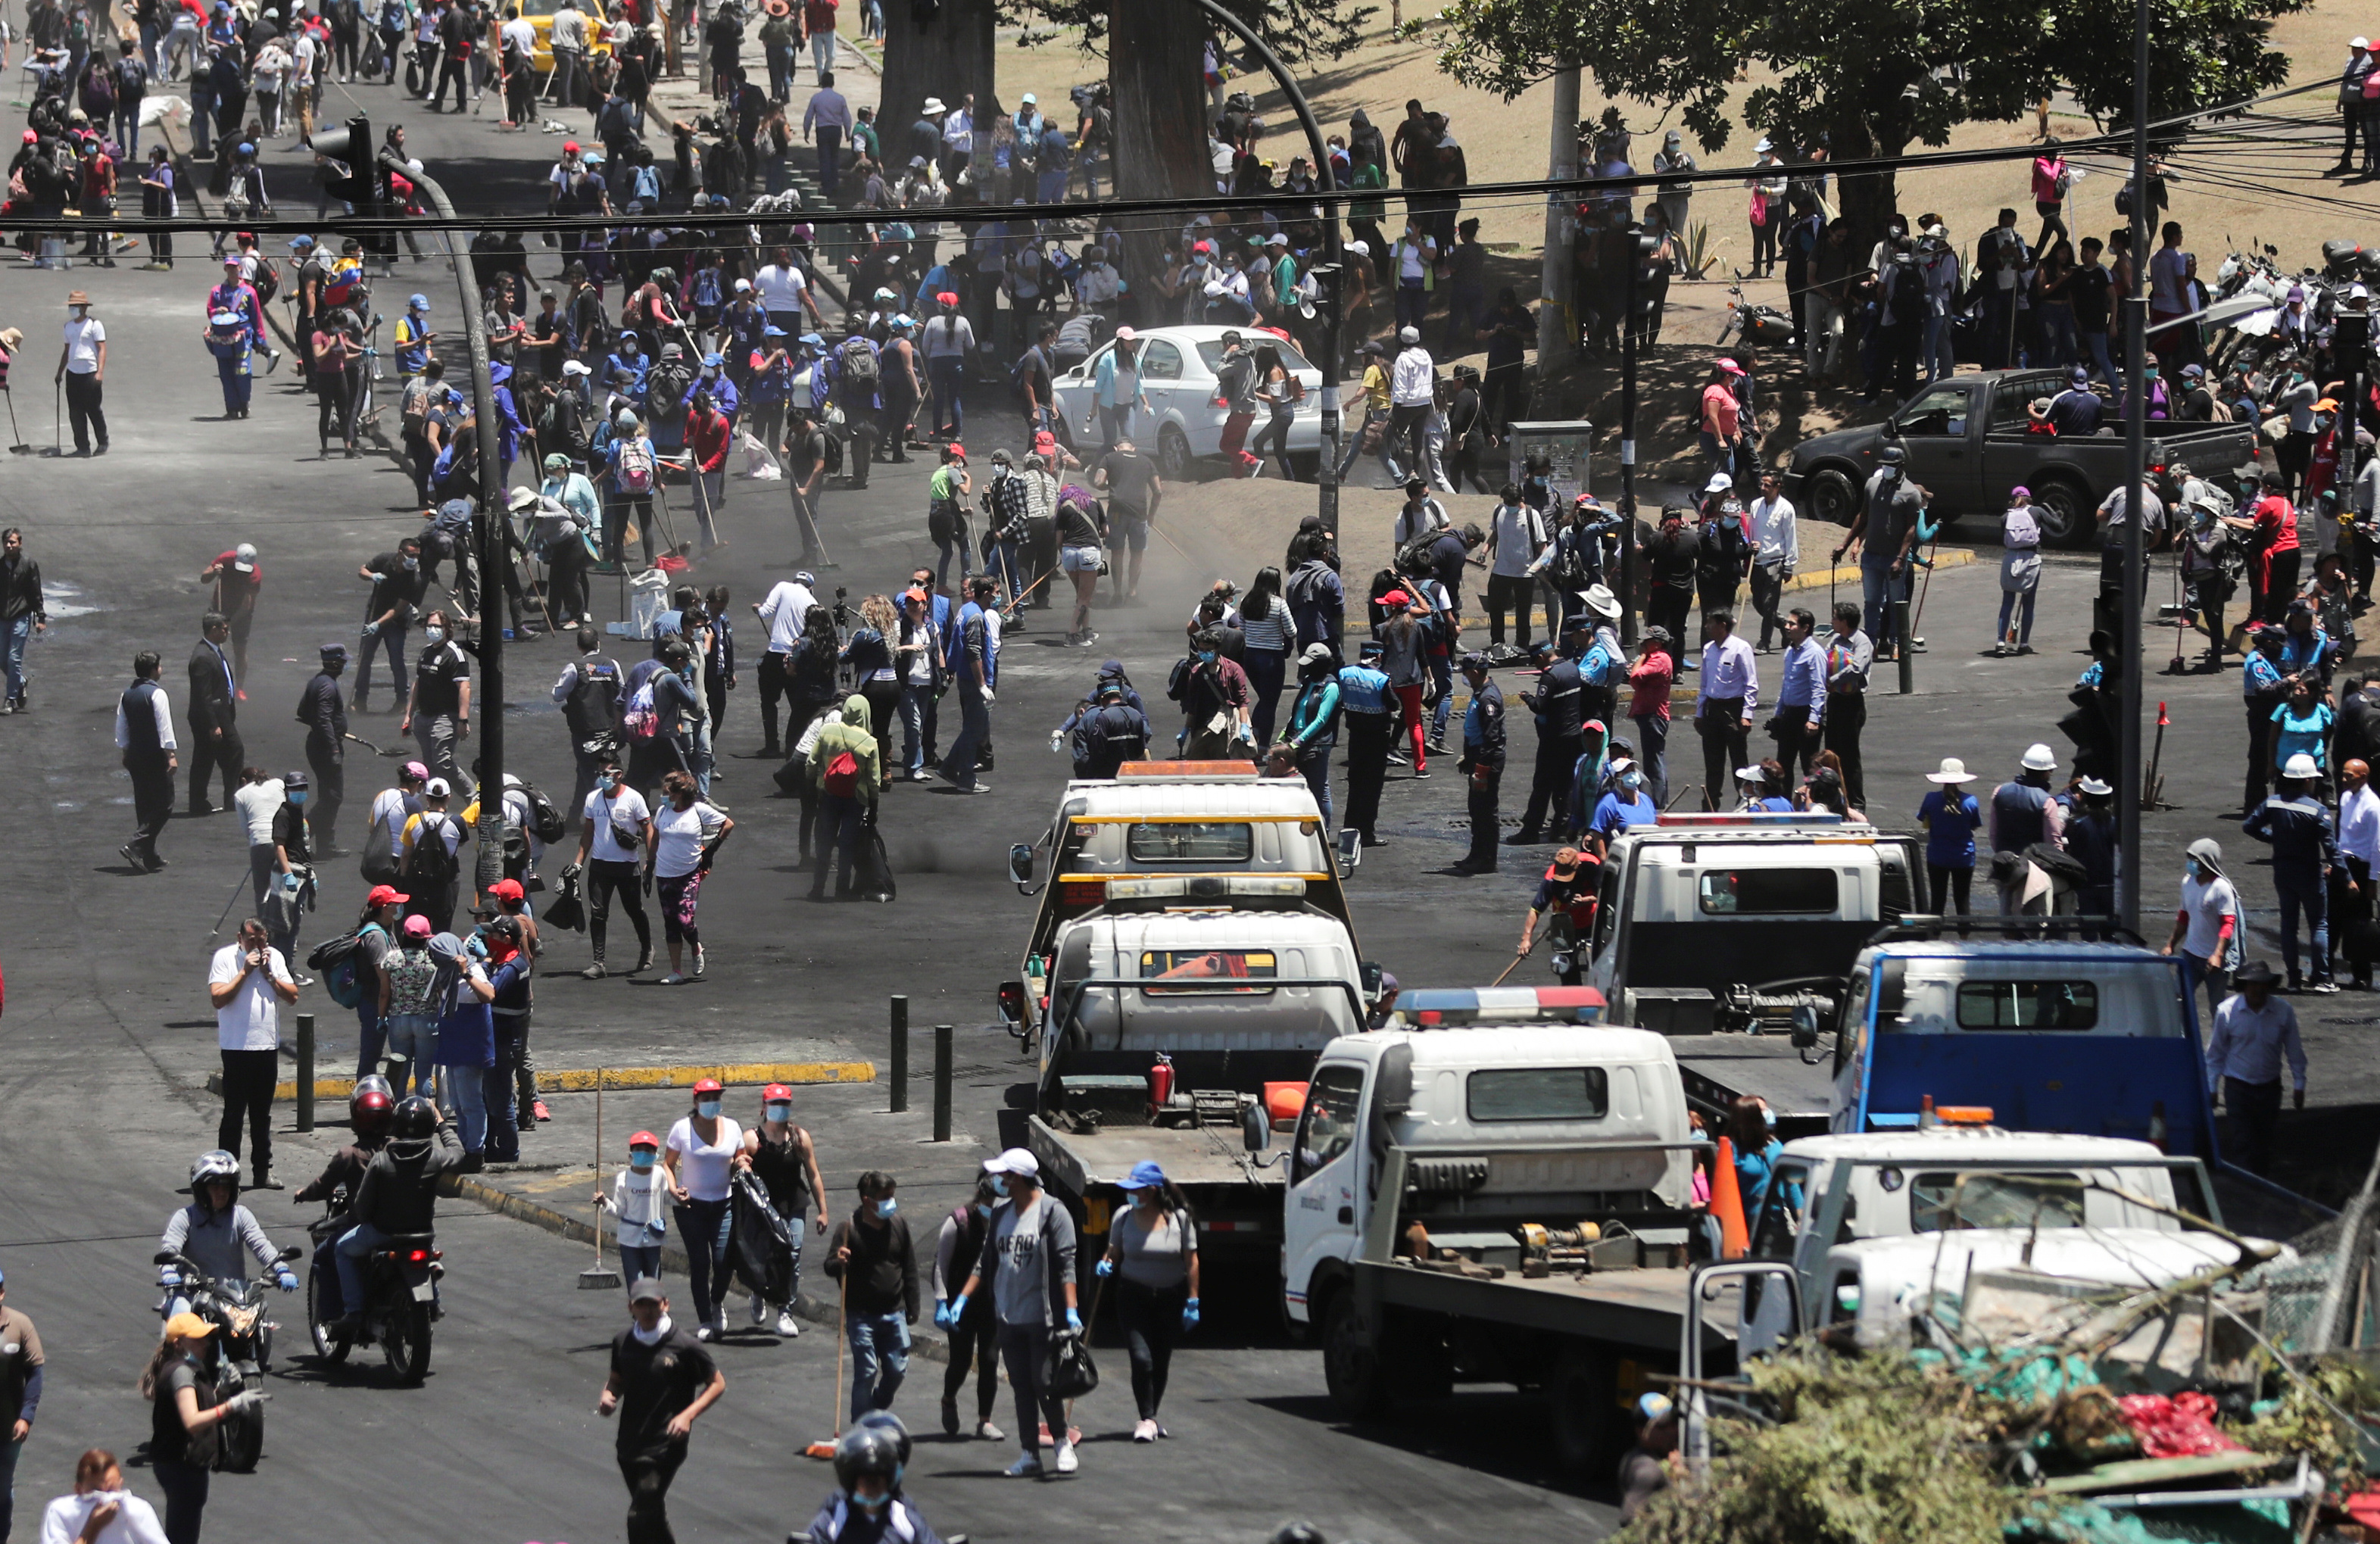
[1334, 311]
[1561, 222]
[2136, 459]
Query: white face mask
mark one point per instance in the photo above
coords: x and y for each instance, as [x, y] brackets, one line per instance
[652, 1336]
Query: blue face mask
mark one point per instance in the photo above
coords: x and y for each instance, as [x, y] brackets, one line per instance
[887, 1206]
[983, 1211]
[999, 1184]
[608, 783]
[778, 1112]
[873, 1503]
[298, 796]
[2190, 867]
[1632, 781]
[707, 1108]
[641, 1160]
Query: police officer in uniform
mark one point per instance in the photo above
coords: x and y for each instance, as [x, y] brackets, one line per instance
[324, 713]
[1482, 763]
[1558, 704]
[1113, 732]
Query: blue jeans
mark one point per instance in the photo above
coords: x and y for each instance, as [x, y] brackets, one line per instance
[354, 1244]
[2195, 969]
[915, 701]
[1413, 303]
[1313, 761]
[19, 631]
[944, 374]
[1050, 188]
[1934, 351]
[414, 1037]
[1442, 668]
[2057, 334]
[2304, 892]
[1387, 452]
[371, 1037]
[1115, 423]
[638, 1261]
[2008, 604]
[2100, 360]
[975, 729]
[1265, 667]
[390, 637]
[8, 1452]
[880, 1359]
[703, 1225]
[465, 1092]
[1652, 748]
[1878, 590]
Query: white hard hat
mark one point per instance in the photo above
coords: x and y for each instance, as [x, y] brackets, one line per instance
[2038, 757]
[2300, 767]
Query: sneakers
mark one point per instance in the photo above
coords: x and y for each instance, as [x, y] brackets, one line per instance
[2325, 986]
[760, 1309]
[787, 1325]
[676, 979]
[1067, 1461]
[949, 1416]
[989, 1432]
[701, 961]
[1146, 1431]
[705, 1333]
[1027, 1466]
[644, 961]
[592, 973]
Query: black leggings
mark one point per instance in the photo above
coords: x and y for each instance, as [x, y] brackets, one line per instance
[1151, 1318]
[605, 879]
[974, 1344]
[1276, 429]
[335, 401]
[1941, 883]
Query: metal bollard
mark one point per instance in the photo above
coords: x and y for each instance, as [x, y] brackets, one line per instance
[305, 1072]
[942, 1082]
[1905, 650]
[900, 1072]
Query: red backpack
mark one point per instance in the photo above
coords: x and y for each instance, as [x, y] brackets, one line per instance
[841, 779]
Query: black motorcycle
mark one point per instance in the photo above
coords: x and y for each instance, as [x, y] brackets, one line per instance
[400, 1296]
[243, 1349]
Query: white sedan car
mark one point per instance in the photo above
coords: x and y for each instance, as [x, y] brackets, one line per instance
[1184, 426]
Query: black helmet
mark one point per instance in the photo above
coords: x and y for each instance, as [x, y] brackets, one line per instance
[415, 1120]
[868, 1450]
[1892, 455]
[889, 1423]
[1300, 1532]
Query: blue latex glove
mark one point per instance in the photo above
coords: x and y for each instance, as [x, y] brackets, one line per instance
[1106, 1266]
[1190, 1314]
[1074, 1321]
[958, 1307]
[942, 1316]
[289, 882]
[286, 1282]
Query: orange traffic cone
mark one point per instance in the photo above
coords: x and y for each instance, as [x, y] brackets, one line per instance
[1727, 1205]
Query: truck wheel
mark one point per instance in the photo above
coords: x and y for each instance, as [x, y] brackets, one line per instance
[1831, 497]
[1582, 1389]
[1351, 1363]
[2066, 513]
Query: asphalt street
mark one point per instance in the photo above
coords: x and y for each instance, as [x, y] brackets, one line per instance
[109, 1038]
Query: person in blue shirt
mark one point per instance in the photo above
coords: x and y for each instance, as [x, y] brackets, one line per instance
[414, 337]
[1314, 722]
[1624, 805]
[714, 380]
[2264, 685]
[1751, 1126]
[1801, 700]
[2295, 825]
[628, 359]
[2301, 726]
[2306, 649]
[1951, 816]
[1368, 702]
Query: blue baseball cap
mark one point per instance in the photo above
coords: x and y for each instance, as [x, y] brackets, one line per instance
[814, 340]
[418, 302]
[712, 361]
[772, 332]
[1144, 1175]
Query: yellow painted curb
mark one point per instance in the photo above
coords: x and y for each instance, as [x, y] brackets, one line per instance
[582, 1080]
[1957, 557]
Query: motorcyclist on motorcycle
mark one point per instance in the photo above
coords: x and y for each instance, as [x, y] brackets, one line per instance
[396, 1195]
[215, 1233]
[370, 1108]
[869, 1508]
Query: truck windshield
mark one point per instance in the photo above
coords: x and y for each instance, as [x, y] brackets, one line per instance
[1190, 842]
[2135, 999]
[2028, 1005]
[1941, 410]
[1202, 970]
[1328, 1127]
[1538, 1094]
[1767, 892]
[1938, 1202]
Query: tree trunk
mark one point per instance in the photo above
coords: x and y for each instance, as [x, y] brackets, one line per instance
[1155, 82]
[949, 56]
[1865, 200]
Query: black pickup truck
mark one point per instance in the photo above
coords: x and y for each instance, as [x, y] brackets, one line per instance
[1966, 442]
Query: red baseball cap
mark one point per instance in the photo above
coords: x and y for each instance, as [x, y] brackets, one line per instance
[507, 889]
[958, 450]
[707, 1086]
[776, 1093]
[385, 895]
[644, 1139]
[948, 298]
[1396, 598]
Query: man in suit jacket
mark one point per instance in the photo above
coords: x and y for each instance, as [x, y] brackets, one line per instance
[214, 713]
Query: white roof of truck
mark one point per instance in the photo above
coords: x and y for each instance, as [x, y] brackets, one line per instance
[1214, 929]
[1959, 1145]
[1527, 1045]
[1223, 799]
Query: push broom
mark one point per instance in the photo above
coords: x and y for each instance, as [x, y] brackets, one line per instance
[598, 1276]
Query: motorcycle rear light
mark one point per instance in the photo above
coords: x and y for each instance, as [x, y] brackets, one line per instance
[418, 1256]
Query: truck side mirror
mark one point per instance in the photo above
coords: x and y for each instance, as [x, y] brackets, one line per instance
[1372, 977]
[1020, 864]
[1256, 1128]
[1805, 1028]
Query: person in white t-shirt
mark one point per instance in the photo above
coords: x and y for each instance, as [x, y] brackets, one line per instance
[1515, 536]
[102, 1510]
[2205, 930]
[687, 833]
[784, 294]
[617, 833]
[247, 983]
[82, 366]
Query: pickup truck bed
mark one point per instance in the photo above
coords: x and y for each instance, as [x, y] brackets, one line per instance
[1643, 1310]
[1718, 1068]
[1238, 1204]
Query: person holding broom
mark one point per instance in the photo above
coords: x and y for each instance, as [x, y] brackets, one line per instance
[873, 1258]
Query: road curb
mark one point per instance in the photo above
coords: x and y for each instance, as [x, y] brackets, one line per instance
[582, 1080]
[562, 1224]
[1957, 557]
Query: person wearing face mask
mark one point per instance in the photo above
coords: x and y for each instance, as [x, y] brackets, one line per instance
[869, 1508]
[1029, 1262]
[872, 1255]
[634, 1199]
[662, 1380]
[101, 1510]
[974, 1341]
[700, 1152]
[1626, 803]
[782, 1157]
[1153, 1246]
[398, 585]
[172, 1382]
[438, 714]
[290, 885]
[616, 830]
[687, 833]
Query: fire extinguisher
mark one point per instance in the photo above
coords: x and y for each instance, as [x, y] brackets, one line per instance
[1161, 1082]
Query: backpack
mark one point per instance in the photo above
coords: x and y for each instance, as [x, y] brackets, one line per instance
[641, 721]
[433, 862]
[859, 367]
[646, 185]
[545, 816]
[132, 77]
[268, 278]
[841, 779]
[669, 386]
[1415, 556]
[637, 467]
[832, 458]
[602, 677]
[341, 965]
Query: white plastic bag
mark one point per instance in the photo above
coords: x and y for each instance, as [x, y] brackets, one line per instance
[759, 465]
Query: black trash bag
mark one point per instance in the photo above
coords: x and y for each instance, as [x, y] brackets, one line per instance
[760, 1243]
[565, 911]
[875, 876]
[1067, 1370]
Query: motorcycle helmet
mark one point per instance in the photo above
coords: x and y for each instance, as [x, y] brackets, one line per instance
[867, 1450]
[212, 1166]
[886, 1421]
[414, 1123]
[371, 1107]
[1892, 455]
